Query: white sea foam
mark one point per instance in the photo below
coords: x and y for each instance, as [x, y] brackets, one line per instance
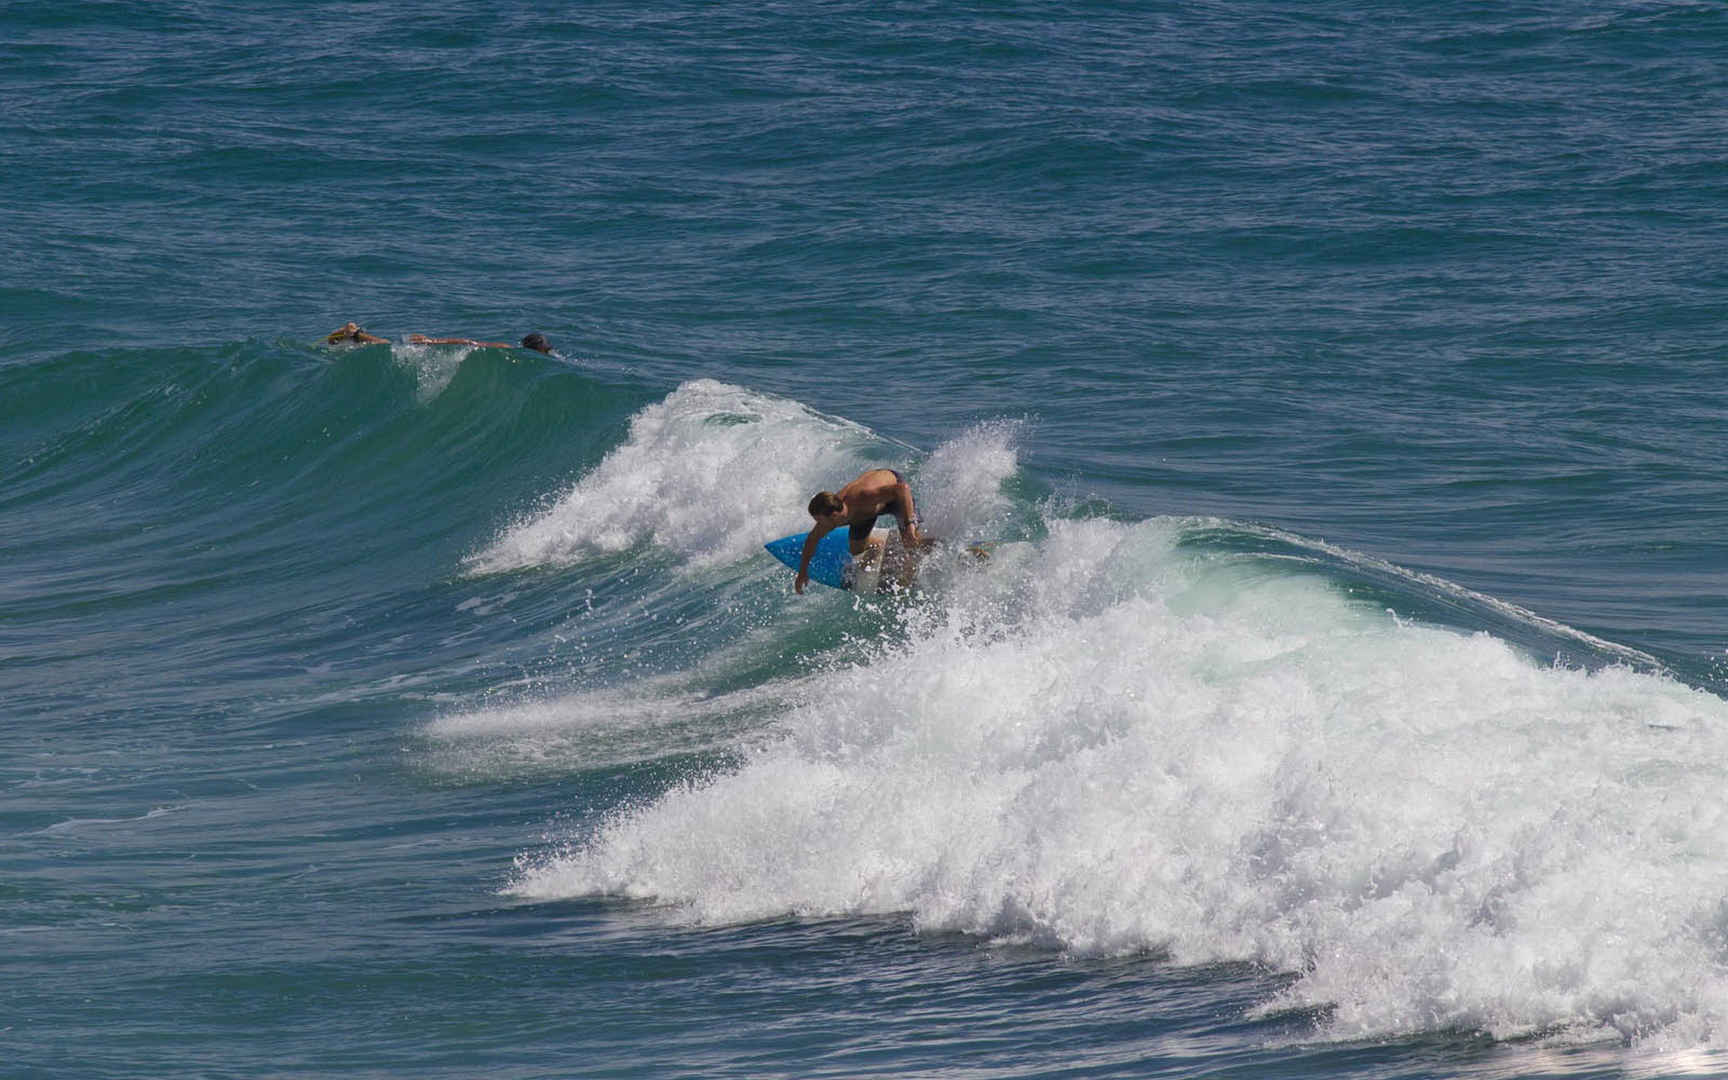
[1109, 744]
[958, 492]
[708, 474]
[713, 471]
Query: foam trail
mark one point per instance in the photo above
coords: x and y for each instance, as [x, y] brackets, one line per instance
[1622, 653]
[1108, 745]
[592, 729]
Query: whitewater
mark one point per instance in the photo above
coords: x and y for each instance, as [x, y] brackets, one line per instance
[1118, 739]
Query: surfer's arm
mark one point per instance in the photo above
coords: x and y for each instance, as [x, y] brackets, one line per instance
[908, 520]
[810, 543]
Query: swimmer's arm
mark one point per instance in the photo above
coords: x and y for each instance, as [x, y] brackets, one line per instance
[422, 339]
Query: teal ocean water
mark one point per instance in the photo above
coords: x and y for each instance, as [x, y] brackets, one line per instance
[1347, 695]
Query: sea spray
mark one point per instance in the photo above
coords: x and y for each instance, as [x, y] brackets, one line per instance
[707, 474]
[713, 471]
[958, 488]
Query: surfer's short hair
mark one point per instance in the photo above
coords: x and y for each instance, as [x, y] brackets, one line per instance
[825, 503]
[537, 342]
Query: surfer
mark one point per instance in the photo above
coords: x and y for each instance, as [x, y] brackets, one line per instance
[857, 506]
[351, 334]
[537, 342]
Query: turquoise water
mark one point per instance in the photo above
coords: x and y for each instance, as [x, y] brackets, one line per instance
[1345, 696]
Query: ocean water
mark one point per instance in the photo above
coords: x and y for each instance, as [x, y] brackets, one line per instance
[1346, 695]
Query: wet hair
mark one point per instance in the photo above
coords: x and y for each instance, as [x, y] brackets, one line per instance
[825, 503]
[537, 342]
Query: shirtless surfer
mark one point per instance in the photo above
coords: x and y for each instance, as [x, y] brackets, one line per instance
[857, 506]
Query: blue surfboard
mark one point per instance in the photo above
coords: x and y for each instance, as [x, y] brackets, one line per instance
[830, 564]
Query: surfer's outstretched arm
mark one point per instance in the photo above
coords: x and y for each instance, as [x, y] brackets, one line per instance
[810, 543]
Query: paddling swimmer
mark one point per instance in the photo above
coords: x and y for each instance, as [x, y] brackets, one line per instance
[351, 334]
[857, 506]
[537, 342]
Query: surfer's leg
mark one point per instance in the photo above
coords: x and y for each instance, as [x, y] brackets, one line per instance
[871, 556]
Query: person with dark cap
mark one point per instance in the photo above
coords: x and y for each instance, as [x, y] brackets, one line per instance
[351, 334]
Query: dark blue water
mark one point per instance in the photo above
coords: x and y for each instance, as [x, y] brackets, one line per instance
[1345, 695]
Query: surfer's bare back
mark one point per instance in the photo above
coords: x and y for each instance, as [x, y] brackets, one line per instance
[857, 506]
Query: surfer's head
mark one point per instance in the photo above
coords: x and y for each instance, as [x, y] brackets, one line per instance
[826, 504]
[537, 342]
[345, 332]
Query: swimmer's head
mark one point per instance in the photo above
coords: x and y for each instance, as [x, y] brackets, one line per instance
[537, 342]
[346, 332]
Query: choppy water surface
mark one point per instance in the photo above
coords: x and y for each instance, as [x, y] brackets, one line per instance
[1344, 695]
